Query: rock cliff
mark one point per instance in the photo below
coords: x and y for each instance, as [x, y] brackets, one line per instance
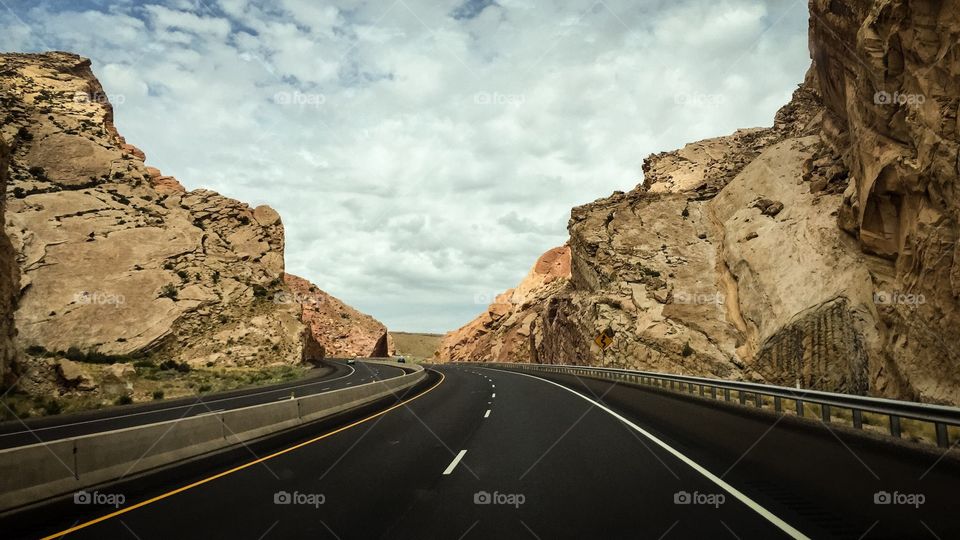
[340, 330]
[821, 251]
[119, 261]
[9, 284]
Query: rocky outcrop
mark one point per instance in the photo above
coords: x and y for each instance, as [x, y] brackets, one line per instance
[9, 282]
[508, 329]
[335, 329]
[118, 259]
[821, 252]
[890, 75]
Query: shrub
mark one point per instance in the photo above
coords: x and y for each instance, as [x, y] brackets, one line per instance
[687, 350]
[183, 274]
[36, 350]
[53, 406]
[158, 394]
[259, 291]
[171, 364]
[75, 354]
[123, 400]
[169, 291]
[204, 388]
[19, 192]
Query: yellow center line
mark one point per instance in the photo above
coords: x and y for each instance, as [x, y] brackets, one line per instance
[240, 467]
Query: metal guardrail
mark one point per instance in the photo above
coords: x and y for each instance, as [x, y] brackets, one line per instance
[830, 405]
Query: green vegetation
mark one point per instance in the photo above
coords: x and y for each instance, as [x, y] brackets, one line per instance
[169, 291]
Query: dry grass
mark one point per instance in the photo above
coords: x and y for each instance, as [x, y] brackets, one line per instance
[416, 346]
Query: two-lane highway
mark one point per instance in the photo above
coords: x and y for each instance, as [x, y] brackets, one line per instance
[334, 375]
[481, 453]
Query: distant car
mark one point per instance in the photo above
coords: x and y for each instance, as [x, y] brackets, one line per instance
[401, 360]
[351, 361]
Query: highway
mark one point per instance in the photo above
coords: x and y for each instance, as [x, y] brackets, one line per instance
[331, 376]
[483, 453]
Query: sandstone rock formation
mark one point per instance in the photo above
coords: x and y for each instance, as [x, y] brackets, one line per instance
[338, 329]
[119, 260]
[508, 330]
[9, 282]
[821, 252]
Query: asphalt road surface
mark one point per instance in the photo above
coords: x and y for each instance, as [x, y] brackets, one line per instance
[480, 453]
[332, 376]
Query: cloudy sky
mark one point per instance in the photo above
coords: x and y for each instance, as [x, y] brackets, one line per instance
[422, 153]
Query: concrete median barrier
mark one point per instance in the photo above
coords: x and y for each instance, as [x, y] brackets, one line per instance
[46, 470]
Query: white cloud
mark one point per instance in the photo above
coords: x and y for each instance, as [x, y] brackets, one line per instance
[422, 160]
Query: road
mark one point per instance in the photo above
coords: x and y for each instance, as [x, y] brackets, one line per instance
[481, 453]
[334, 375]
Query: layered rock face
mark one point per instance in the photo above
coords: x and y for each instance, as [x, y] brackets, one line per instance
[9, 283]
[820, 252]
[335, 329]
[119, 260]
[891, 124]
[508, 329]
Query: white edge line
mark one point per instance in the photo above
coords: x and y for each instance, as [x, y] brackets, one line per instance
[486, 414]
[453, 463]
[750, 503]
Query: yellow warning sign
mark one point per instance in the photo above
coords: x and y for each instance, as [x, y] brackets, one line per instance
[604, 339]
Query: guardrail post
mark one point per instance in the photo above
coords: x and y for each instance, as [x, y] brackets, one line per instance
[701, 390]
[943, 438]
[671, 385]
[726, 394]
[825, 412]
[799, 407]
[743, 397]
[713, 392]
[777, 405]
[857, 418]
[759, 400]
[895, 426]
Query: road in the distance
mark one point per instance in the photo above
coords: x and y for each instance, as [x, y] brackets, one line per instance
[333, 376]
